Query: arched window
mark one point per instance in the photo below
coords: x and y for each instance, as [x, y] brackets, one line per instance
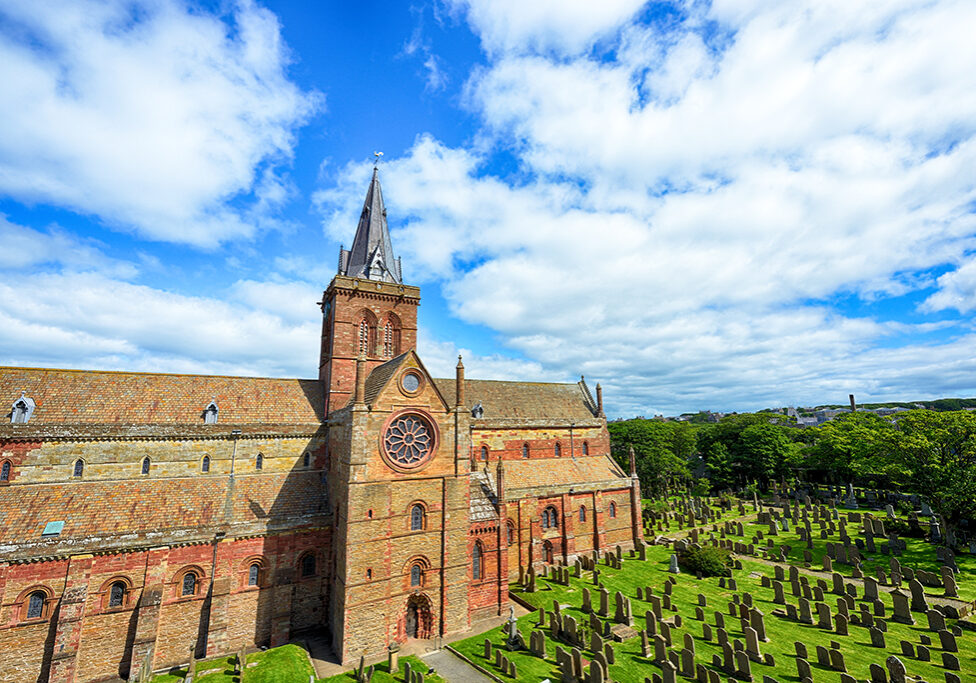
[145, 465]
[253, 573]
[613, 509]
[308, 565]
[306, 459]
[79, 468]
[550, 519]
[484, 452]
[510, 533]
[525, 450]
[35, 605]
[476, 567]
[416, 575]
[416, 518]
[586, 448]
[210, 414]
[116, 594]
[5, 471]
[363, 337]
[205, 464]
[259, 462]
[582, 513]
[558, 450]
[547, 552]
[189, 586]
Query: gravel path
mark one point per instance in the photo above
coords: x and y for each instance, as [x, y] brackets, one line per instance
[453, 669]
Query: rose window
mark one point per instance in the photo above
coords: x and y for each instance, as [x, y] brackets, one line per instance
[408, 440]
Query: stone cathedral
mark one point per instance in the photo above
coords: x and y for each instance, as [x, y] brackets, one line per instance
[147, 518]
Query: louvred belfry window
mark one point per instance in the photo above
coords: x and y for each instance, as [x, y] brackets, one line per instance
[363, 337]
[388, 340]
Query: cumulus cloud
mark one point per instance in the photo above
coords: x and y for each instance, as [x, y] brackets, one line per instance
[27, 249]
[66, 322]
[691, 200]
[154, 116]
[563, 26]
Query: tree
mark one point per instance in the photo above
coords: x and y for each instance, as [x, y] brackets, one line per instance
[746, 447]
[662, 450]
[935, 455]
[852, 445]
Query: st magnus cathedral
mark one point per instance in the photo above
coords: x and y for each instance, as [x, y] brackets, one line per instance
[147, 518]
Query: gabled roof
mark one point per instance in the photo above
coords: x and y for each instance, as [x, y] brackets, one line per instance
[531, 400]
[382, 374]
[90, 396]
[371, 256]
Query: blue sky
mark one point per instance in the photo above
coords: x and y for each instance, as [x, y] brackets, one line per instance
[726, 205]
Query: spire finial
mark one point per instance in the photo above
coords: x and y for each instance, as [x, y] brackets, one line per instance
[376, 159]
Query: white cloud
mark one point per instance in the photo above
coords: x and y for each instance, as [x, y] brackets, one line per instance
[957, 290]
[560, 25]
[687, 208]
[62, 319]
[150, 115]
[25, 249]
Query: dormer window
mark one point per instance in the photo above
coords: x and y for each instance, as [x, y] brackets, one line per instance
[210, 414]
[22, 410]
[478, 411]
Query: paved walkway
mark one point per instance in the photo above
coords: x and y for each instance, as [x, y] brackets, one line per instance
[453, 669]
[327, 664]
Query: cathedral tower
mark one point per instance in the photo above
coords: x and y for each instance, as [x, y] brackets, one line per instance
[367, 310]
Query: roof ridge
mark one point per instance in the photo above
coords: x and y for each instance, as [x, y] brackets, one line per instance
[508, 381]
[157, 374]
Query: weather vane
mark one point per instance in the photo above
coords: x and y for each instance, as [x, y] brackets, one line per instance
[376, 158]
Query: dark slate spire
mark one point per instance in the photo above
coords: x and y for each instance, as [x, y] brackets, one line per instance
[371, 256]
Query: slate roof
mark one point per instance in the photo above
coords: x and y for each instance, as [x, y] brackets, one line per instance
[588, 473]
[371, 255]
[380, 375]
[116, 514]
[483, 497]
[89, 396]
[533, 400]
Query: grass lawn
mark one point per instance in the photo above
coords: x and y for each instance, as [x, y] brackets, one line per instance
[285, 664]
[630, 666]
[381, 673]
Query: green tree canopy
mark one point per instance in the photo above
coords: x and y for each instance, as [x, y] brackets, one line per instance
[662, 450]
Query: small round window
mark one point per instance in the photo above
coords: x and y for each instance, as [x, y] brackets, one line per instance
[410, 382]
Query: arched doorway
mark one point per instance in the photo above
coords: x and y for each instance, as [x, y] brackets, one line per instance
[417, 620]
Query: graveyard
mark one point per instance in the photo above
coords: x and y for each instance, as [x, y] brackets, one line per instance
[832, 586]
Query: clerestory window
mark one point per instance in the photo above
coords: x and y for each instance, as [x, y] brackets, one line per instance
[116, 594]
[35, 605]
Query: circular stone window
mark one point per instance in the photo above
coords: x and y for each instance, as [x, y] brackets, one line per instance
[411, 382]
[409, 440]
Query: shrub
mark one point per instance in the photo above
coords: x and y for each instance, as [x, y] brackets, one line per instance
[707, 560]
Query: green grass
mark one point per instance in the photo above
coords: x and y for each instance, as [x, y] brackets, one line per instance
[630, 666]
[381, 673]
[285, 664]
